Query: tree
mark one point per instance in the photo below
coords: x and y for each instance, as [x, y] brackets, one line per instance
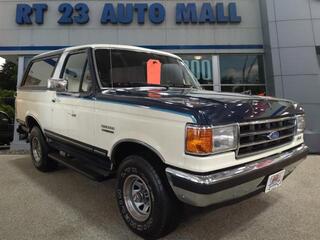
[8, 76]
[8, 84]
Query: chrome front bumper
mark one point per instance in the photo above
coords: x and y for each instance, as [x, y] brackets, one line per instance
[206, 189]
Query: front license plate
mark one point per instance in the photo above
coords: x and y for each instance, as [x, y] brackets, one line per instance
[274, 181]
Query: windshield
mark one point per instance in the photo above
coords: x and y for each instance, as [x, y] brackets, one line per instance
[123, 68]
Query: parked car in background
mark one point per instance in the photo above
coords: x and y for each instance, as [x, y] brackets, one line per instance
[6, 129]
[140, 114]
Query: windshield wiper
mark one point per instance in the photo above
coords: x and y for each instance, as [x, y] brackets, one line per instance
[181, 86]
[141, 84]
[138, 84]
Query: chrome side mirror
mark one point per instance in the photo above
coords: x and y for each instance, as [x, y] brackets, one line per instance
[58, 85]
[5, 120]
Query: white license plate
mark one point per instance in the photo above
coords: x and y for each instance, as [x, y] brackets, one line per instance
[274, 181]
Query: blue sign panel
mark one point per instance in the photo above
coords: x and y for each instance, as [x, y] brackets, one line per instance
[126, 13]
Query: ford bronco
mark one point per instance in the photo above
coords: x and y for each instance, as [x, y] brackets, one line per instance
[141, 115]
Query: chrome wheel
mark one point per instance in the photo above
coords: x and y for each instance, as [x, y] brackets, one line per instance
[36, 149]
[137, 198]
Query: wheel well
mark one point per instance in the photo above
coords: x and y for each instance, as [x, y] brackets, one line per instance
[31, 122]
[125, 149]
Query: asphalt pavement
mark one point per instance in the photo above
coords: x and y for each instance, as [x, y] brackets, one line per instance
[65, 205]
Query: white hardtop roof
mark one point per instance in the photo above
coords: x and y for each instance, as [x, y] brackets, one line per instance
[110, 46]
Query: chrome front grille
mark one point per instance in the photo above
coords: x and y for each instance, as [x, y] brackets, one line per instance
[260, 136]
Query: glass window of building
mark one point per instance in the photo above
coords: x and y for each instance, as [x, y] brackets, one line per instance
[201, 66]
[242, 73]
[318, 53]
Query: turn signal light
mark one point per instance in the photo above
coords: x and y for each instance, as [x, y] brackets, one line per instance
[199, 140]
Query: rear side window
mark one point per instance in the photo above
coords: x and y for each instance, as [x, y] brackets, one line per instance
[40, 71]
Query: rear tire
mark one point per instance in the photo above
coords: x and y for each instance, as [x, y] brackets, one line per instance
[145, 202]
[39, 151]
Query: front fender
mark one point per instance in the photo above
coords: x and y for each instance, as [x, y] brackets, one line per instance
[141, 139]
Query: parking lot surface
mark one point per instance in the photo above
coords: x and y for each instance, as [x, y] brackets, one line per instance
[66, 205]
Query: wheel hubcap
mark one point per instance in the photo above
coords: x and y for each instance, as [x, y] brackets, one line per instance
[36, 149]
[137, 198]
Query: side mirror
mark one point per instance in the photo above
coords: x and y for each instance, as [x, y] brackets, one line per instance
[58, 85]
[5, 120]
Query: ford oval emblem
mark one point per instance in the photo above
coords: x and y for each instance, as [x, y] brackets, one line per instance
[273, 135]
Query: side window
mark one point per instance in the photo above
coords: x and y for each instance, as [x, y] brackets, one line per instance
[103, 66]
[74, 70]
[40, 71]
[87, 80]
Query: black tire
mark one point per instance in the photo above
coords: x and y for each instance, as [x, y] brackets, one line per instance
[163, 214]
[39, 151]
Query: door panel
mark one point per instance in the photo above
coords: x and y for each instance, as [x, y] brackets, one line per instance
[73, 112]
[81, 120]
[60, 109]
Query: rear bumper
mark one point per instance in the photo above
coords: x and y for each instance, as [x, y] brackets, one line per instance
[206, 189]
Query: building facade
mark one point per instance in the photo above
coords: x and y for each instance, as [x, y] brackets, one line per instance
[253, 46]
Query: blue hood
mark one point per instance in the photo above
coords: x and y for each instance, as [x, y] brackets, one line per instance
[206, 107]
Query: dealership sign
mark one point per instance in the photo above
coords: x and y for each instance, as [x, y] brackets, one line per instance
[126, 13]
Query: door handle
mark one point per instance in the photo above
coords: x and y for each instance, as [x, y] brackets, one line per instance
[55, 100]
[72, 114]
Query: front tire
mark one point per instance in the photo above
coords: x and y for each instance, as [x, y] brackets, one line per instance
[144, 199]
[39, 151]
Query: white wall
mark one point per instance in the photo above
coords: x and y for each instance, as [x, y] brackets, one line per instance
[291, 34]
[168, 33]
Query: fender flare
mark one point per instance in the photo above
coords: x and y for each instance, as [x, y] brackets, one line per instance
[131, 140]
[35, 119]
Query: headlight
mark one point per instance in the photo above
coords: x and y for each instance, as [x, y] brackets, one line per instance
[202, 140]
[301, 124]
[225, 138]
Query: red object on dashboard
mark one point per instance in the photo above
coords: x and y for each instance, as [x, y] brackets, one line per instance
[153, 71]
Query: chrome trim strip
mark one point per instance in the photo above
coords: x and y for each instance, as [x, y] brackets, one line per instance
[237, 171]
[267, 121]
[266, 131]
[107, 131]
[57, 137]
[60, 138]
[266, 141]
[100, 152]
